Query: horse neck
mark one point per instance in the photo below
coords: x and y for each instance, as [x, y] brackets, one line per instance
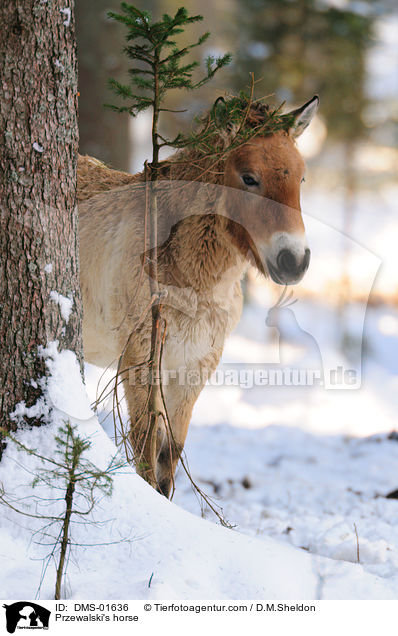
[200, 252]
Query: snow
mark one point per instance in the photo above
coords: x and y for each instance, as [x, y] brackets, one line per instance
[64, 388]
[190, 558]
[65, 304]
[63, 391]
[311, 491]
[48, 268]
[67, 14]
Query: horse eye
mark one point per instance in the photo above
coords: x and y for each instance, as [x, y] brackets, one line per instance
[249, 181]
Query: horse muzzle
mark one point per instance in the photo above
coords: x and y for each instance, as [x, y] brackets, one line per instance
[289, 270]
[288, 260]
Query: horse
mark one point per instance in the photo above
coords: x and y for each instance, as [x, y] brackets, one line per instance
[218, 214]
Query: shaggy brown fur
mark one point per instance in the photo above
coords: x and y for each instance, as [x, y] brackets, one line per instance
[94, 177]
[207, 235]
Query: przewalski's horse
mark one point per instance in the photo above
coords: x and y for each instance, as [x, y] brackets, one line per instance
[215, 218]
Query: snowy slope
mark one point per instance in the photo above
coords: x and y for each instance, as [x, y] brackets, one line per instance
[189, 557]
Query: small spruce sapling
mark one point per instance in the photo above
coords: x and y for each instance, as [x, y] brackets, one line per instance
[81, 483]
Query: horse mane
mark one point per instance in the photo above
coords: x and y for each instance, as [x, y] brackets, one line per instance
[229, 123]
[94, 177]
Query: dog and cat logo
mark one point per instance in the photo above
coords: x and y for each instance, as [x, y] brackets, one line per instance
[26, 615]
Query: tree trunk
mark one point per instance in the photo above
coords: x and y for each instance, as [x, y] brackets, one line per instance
[103, 133]
[39, 222]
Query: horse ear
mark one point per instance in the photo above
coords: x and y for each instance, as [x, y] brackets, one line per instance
[298, 120]
[220, 113]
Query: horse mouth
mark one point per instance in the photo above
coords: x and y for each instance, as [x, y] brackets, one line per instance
[273, 273]
[283, 278]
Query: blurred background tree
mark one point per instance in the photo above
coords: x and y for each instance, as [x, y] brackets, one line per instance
[120, 141]
[298, 48]
[100, 43]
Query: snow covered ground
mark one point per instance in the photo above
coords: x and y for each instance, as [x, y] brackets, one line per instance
[302, 466]
[145, 547]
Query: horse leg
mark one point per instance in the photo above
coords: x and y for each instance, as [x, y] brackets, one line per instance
[174, 435]
[145, 443]
[156, 457]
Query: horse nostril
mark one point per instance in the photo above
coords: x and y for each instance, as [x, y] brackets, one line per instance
[306, 260]
[286, 261]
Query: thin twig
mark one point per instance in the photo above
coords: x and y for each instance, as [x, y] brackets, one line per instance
[356, 534]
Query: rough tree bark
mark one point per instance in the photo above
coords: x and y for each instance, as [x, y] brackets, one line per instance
[38, 216]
